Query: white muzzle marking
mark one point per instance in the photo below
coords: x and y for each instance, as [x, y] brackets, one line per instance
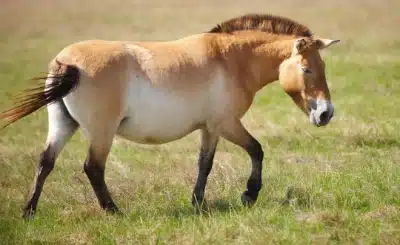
[321, 113]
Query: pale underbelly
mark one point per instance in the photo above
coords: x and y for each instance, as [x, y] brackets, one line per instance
[156, 131]
[157, 115]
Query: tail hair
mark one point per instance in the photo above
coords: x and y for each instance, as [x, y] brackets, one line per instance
[64, 81]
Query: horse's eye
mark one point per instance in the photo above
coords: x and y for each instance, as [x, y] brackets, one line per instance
[306, 70]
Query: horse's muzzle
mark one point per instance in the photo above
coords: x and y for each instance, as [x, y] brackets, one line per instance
[322, 114]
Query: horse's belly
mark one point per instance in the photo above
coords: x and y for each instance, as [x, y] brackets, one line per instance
[156, 116]
[154, 128]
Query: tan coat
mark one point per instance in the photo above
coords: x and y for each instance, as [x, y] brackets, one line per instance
[157, 92]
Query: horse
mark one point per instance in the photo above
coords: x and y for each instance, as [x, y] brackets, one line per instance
[158, 92]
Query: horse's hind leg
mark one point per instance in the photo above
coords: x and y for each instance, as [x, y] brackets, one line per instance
[100, 145]
[61, 127]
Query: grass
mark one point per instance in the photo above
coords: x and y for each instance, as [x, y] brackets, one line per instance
[334, 185]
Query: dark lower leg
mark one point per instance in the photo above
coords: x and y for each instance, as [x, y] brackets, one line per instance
[234, 131]
[61, 127]
[254, 183]
[205, 165]
[46, 164]
[207, 151]
[95, 172]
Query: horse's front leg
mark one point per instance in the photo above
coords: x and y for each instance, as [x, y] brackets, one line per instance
[235, 132]
[209, 143]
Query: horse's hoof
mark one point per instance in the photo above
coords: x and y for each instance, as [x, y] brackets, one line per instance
[200, 205]
[248, 200]
[28, 214]
[198, 201]
[113, 210]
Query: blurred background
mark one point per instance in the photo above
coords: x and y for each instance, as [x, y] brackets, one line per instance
[358, 23]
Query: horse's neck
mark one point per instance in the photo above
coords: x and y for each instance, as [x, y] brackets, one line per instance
[257, 58]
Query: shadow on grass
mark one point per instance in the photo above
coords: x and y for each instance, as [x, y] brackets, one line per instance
[294, 196]
[206, 209]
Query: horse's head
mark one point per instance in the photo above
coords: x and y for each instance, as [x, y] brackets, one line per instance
[302, 76]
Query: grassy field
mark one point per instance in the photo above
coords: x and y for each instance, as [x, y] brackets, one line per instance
[338, 184]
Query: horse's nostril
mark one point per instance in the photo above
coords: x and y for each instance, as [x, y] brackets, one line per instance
[324, 117]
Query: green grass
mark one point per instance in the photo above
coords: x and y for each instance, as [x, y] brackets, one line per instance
[338, 184]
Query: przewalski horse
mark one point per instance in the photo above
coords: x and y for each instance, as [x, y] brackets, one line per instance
[157, 92]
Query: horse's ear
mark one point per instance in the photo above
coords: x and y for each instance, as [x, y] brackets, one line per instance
[324, 43]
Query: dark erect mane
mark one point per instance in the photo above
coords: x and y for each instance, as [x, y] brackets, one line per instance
[264, 23]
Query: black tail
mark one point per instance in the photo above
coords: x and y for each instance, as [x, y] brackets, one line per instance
[65, 79]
